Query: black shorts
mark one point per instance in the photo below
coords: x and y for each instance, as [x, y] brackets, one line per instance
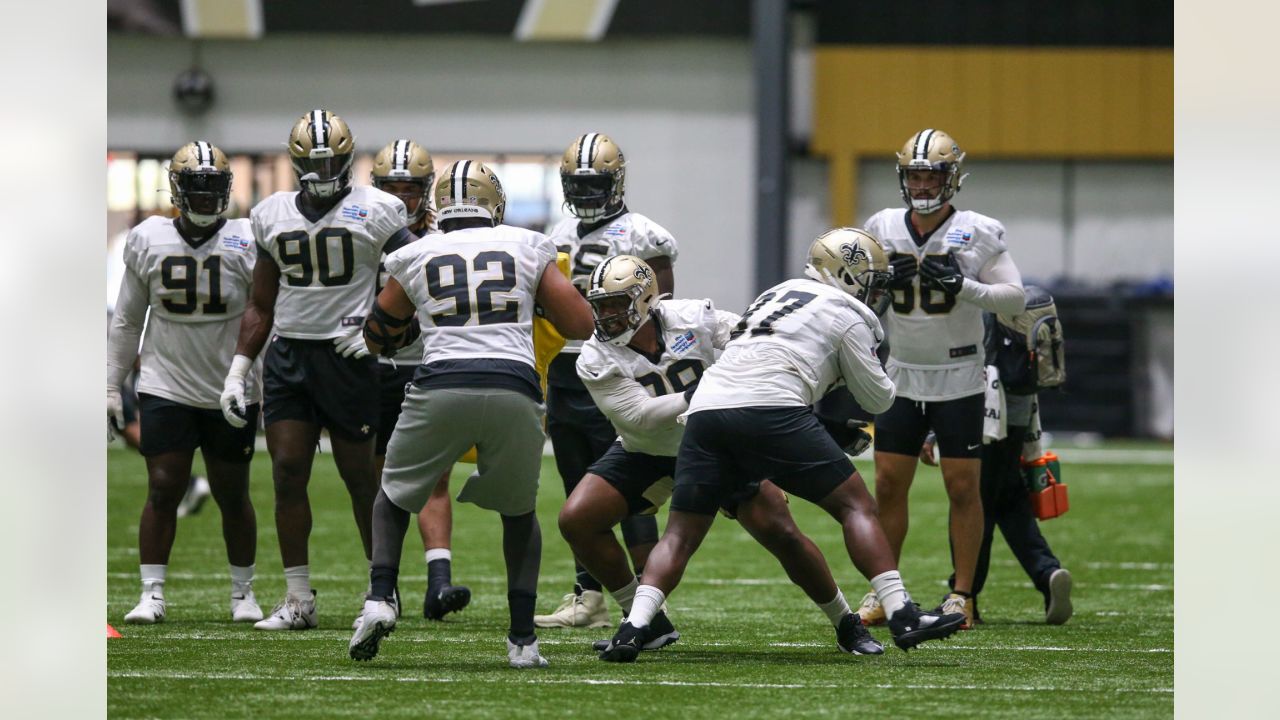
[308, 380]
[957, 423]
[726, 451]
[392, 381]
[645, 481]
[168, 426]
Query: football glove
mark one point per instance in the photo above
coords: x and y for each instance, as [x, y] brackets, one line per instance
[352, 343]
[232, 399]
[861, 439]
[904, 270]
[115, 412]
[942, 275]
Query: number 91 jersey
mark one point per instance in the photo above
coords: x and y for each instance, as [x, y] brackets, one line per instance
[195, 297]
[327, 264]
[474, 291]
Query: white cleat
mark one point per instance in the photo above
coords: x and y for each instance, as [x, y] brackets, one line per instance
[1058, 600]
[294, 613]
[376, 622]
[395, 605]
[586, 610]
[149, 610]
[870, 611]
[244, 607]
[197, 492]
[523, 657]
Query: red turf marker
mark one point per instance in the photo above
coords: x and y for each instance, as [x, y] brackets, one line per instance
[112, 632]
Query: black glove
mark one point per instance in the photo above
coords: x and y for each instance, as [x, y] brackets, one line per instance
[942, 274]
[904, 269]
[861, 438]
[688, 392]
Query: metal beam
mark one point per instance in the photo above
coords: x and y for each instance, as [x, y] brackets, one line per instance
[771, 55]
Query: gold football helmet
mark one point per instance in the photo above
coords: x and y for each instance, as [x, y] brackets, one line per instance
[593, 174]
[321, 147]
[621, 292]
[936, 152]
[404, 169]
[852, 260]
[469, 189]
[200, 181]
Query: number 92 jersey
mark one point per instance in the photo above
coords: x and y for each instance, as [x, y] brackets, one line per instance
[195, 296]
[327, 264]
[474, 291]
[690, 335]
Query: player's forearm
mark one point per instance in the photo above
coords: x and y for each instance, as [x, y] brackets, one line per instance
[1002, 298]
[255, 327]
[629, 407]
[122, 350]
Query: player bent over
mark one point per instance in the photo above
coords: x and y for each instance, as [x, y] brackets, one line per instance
[643, 363]
[477, 386]
[750, 419]
[192, 274]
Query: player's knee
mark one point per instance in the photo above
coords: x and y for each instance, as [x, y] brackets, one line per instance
[165, 489]
[963, 489]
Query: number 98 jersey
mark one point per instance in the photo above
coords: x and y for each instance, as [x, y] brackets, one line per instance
[327, 263]
[195, 297]
[474, 291]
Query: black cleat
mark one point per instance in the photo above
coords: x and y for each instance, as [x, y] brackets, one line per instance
[658, 634]
[625, 645]
[852, 637]
[911, 626]
[450, 598]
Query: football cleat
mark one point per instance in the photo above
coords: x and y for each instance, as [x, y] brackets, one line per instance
[870, 611]
[1057, 601]
[625, 645]
[244, 607]
[376, 622]
[911, 626]
[957, 603]
[852, 637]
[197, 492]
[149, 610]
[585, 610]
[442, 601]
[394, 602]
[658, 634]
[293, 613]
[525, 655]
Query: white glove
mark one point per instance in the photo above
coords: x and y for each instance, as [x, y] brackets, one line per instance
[232, 399]
[115, 412]
[352, 344]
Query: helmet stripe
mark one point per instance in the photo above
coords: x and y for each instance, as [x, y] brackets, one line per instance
[585, 149]
[400, 155]
[597, 277]
[922, 144]
[204, 155]
[460, 180]
[318, 129]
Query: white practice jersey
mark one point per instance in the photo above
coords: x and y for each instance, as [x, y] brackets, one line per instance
[622, 381]
[328, 264]
[410, 354]
[628, 234]
[191, 299]
[474, 290]
[935, 340]
[796, 342]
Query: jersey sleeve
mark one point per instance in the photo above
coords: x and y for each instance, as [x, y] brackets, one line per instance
[624, 401]
[397, 264]
[388, 221]
[544, 253]
[861, 370]
[725, 322]
[259, 226]
[651, 240]
[998, 288]
[130, 313]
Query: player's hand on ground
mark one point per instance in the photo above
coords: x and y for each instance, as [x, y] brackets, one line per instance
[115, 412]
[351, 344]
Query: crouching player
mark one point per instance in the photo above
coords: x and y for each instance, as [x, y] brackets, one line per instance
[640, 367]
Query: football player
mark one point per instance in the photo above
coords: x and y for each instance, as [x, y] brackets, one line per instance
[191, 275]
[404, 168]
[477, 386]
[750, 419]
[318, 251]
[641, 366]
[593, 174]
[949, 265]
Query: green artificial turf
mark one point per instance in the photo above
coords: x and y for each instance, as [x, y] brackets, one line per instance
[752, 645]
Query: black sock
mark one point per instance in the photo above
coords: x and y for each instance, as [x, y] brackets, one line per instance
[439, 573]
[382, 581]
[521, 604]
[586, 582]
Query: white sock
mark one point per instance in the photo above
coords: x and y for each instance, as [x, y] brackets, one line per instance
[892, 593]
[648, 601]
[153, 578]
[241, 578]
[439, 554]
[626, 595]
[836, 608]
[297, 581]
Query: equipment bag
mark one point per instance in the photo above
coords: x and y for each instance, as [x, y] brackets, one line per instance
[1027, 348]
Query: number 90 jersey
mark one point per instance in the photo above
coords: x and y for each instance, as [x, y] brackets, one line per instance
[328, 264]
[195, 296]
[474, 291]
[796, 342]
[690, 335]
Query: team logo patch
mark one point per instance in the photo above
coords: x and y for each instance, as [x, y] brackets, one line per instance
[355, 212]
[235, 242]
[684, 343]
[853, 254]
[959, 237]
